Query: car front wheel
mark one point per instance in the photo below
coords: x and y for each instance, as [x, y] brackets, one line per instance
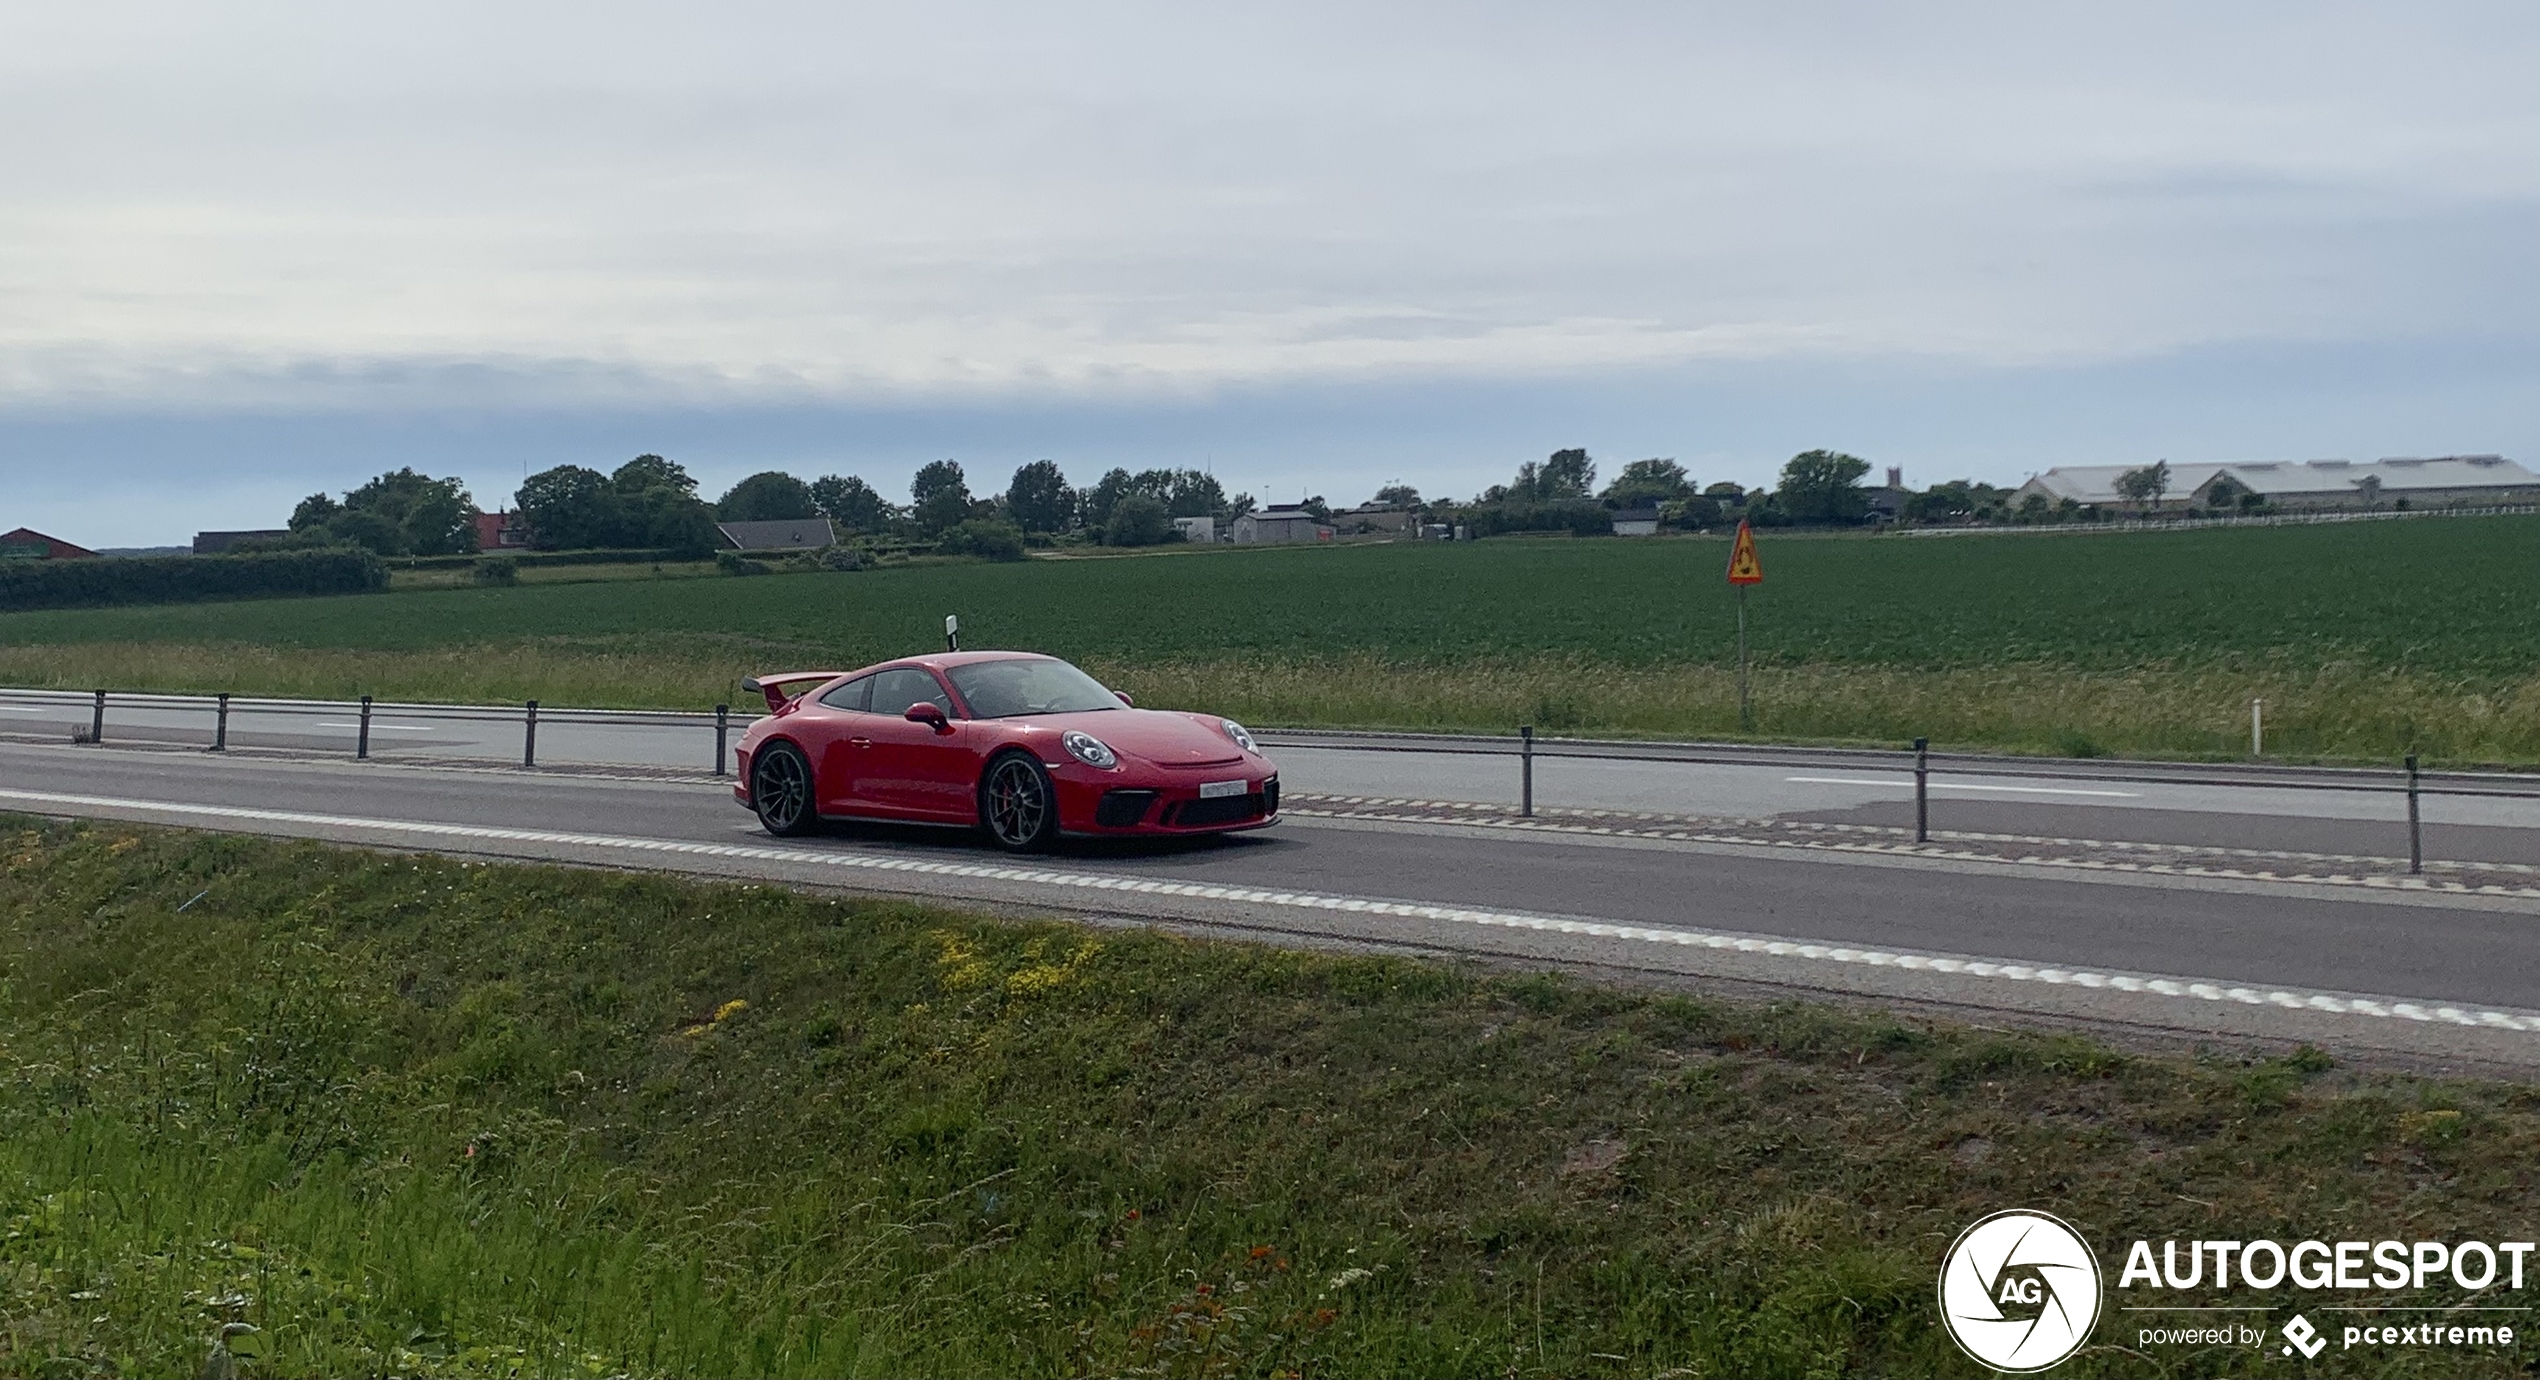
[1017, 804]
[780, 790]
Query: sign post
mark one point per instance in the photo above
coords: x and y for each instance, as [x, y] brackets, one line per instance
[1744, 570]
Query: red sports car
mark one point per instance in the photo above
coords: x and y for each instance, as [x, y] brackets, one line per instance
[1024, 746]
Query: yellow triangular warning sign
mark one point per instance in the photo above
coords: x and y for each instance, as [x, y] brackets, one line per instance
[1744, 569]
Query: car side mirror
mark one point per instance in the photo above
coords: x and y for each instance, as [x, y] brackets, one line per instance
[1124, 698]
[925, 712]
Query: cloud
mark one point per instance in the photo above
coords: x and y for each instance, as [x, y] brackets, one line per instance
[283, 206]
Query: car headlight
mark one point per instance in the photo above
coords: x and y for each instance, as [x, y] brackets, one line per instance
[1088, 749]
[1236, 731]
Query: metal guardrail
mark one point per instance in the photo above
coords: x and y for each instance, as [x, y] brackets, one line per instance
[2407, 778]
[529, 716]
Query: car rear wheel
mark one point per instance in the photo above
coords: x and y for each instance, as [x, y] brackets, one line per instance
[780, 790]
[1017, 804]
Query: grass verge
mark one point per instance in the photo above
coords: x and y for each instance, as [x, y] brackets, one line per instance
[407, 1114]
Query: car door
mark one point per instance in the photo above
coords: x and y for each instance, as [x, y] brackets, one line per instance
[841, 750]
[910, 770]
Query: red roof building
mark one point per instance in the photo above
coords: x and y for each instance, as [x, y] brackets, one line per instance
[27, 544]
[500, 531]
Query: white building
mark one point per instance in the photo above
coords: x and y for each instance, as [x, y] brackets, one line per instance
[1278, 523]
[1200, 529]
[2450, 481]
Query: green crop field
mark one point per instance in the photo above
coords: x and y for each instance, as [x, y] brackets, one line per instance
[2367, 639]
[411, 1116]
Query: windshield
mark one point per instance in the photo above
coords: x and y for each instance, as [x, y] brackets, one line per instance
[1007, 689]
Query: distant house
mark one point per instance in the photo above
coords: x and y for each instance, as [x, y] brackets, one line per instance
[1199, 529]
[1280, 523]
[803, 534]
[215, 543]
[1635, 522]
[27, 544]
[1887, 503]
[501, 530]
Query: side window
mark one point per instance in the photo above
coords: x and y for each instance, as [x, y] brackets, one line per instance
[895, 690]
[852, 695]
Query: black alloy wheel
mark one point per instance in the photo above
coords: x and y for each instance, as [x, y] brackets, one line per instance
[780, 790]
[1017, 804]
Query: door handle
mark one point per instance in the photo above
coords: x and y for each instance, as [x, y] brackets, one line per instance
[861, 742]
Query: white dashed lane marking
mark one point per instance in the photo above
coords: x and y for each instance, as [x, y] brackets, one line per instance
[1907, 784]
[2382, 1008]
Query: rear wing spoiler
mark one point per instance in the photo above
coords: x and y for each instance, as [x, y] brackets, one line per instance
[776, 689]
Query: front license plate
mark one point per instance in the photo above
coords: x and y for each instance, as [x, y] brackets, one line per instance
[1211, 790]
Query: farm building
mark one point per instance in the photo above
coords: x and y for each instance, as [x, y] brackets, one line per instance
[2096, 486]
[27, 544]
[1198, 529]
[500, 530]
[804, 534]
[2450, 481]
[1635, 522]
[1280, 522]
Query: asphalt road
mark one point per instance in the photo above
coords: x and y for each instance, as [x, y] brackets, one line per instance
[2445, 976]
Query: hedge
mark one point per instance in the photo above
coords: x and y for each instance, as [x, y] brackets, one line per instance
[87, 582]
[527, 558]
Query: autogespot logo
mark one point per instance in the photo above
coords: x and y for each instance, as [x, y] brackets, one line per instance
[2019, 1291]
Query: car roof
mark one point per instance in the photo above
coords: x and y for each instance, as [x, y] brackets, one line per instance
[945, 661]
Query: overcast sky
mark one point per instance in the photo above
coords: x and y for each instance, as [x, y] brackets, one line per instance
[251, 251]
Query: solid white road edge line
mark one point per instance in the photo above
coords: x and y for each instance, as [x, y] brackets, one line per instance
[2387, 1008]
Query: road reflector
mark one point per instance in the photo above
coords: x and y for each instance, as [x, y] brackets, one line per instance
[1744, 569]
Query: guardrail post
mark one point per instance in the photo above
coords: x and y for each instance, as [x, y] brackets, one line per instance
[1922, 790]
[529, 738]
[2416, 835]
[1526, 770]
[97, 720]
[220, 724]
[361, 745]
[2257, 728]
[722, 726]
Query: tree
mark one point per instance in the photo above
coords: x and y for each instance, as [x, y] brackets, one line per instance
[1727, 491]
[1565, 476]
[1822, 486]
[851, 505]
[1106, 492]
[315, 512]
[939, 497]
[657, 506]
[1646, 482]
[1137, 520]
[1398, 496]
[768, 496]
[986, 538]
[2146, 485]
[1189, 493]
[569, 508]
[2369, 488]
[647, 472]
[1039, 499]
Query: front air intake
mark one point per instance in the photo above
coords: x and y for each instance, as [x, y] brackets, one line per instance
[1122, 809]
